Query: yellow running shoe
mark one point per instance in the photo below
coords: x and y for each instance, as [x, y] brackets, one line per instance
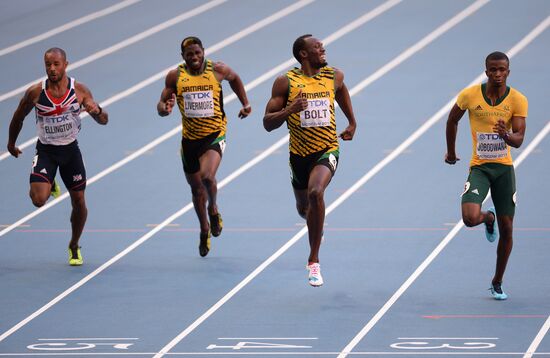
[56, 190]
[216, 224]
[204, 245]
[75, 257]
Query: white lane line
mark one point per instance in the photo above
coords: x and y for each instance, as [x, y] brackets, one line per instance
[184, 16]
[329, 209]
[68, 26]
[144, 149]
[122, 44]
[449, 338]
[268, 338]
[160, 75]
[387, 5]
[538, 339]
[271, 353]
[454, 231]
[87, 339]
[276, 70]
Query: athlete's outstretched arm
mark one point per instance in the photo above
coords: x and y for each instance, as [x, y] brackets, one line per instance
[452, 128]
[344, 100]
[91, 106]
[276, 111]
[514, 139]
[23, 109]
[168, 95]
[237, 86]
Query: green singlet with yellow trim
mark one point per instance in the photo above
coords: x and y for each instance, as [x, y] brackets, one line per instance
[313, 129]
[200, 100]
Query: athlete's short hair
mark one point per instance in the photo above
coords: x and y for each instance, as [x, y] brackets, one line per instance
[299, 45]
[57, 50]
[496, 56]
[191, 40]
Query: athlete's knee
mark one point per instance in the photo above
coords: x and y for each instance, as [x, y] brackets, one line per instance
[506, 227]
[470, 220]
[198, 190]
[38, 199]
[78, 201]
[209, 181]
[315, 194]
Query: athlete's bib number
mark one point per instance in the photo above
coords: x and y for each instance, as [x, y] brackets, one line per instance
[317, 113]
[491, 146]
[59, 127]
[199, 104]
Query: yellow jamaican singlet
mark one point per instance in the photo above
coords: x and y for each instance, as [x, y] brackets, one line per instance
[487, 146]
[313, 129]
[200, 100]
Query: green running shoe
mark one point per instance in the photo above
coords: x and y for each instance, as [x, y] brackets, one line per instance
[75, 257]
[56, 190]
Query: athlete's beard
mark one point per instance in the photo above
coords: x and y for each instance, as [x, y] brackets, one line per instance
[319, 65]
[58, 78]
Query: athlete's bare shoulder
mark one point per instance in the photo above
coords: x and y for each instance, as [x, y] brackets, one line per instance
[219, 66]
[338, 77]
[33, 93]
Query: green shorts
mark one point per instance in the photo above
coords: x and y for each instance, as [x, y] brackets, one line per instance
[500, 178]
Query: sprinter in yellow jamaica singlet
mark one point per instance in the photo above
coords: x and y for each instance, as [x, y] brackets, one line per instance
[196, 88]
[304, 99]
[497, 121]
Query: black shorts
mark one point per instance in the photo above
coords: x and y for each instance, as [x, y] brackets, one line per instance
[69, 160]
[301, 167]
[191, 150]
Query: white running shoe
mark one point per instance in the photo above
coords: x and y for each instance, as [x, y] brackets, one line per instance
[315, 279]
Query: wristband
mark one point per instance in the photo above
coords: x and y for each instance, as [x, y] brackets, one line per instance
[247, 106]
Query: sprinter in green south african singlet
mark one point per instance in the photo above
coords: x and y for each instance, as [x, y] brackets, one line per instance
[196, 87]
[497, 121]
[304, 99]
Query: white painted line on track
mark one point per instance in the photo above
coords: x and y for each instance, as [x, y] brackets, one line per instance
[257, 354]
[462, 15]
[184, 16]
[538, 339]
[144, 149]
[270, 338]
[276, 70]
[458, 226]
[122, 44]
[68, 26]
[88, 339]
[367, 17]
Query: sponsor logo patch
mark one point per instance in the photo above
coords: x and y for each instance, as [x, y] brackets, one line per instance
[222, 145]
[333, 162]
[466, 188]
